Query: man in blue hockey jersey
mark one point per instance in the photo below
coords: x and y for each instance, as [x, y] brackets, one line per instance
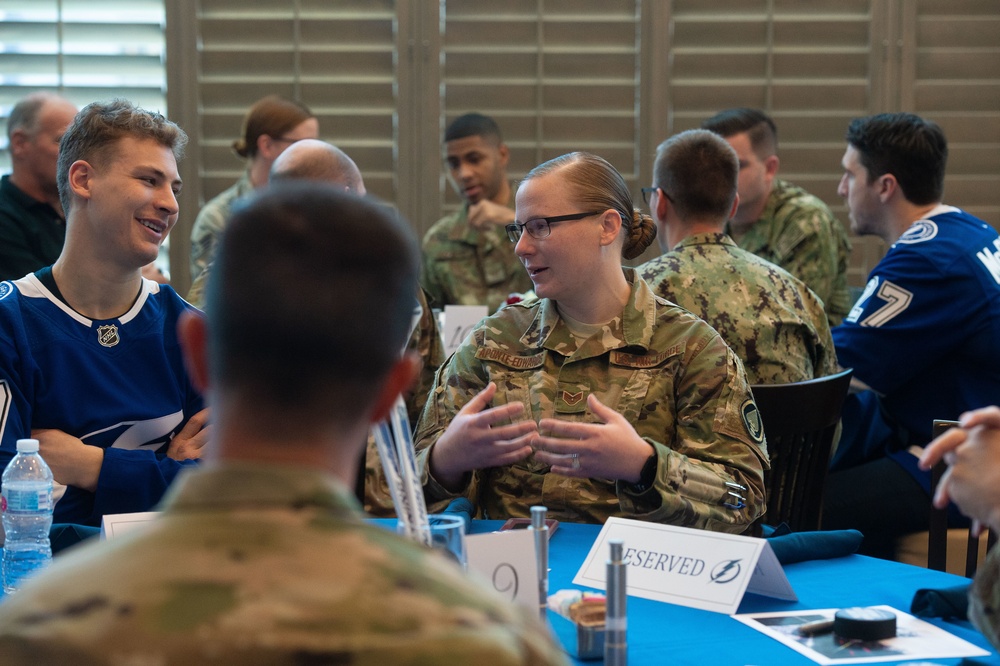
[89, 358]
[922, 338]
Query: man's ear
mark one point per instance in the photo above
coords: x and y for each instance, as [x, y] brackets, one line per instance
[19, 142]
[192, 331]
[887, 186]
[736, 204]
[398, 380]
[504, 154]
[771, 166]
[81, 175]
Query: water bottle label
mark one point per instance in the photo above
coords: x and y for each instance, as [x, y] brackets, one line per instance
[25, 501]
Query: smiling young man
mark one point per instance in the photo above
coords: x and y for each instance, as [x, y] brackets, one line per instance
[89, 359]
[467, 258]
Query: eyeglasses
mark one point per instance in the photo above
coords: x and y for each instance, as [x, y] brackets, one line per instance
[540, 227]
[647, 193]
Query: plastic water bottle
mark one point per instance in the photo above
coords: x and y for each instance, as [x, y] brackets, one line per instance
[26, 506]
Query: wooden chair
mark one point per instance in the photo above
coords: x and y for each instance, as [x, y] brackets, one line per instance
[937, 533]
[800, 422]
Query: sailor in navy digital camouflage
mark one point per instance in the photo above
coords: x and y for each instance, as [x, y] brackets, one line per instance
[782, 222]
[598, 398]
[774, 322]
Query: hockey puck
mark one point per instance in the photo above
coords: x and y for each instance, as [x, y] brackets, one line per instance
[864, 624]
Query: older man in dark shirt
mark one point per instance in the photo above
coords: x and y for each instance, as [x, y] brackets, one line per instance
[32, 223]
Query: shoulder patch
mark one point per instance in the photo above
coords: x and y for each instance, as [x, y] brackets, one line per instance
[751, 419]
[6, 289]
[510, 360]
[919, 231]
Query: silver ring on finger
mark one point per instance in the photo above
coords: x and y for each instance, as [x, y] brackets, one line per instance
[575, 464]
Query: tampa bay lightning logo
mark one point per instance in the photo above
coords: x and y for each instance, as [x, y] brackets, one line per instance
[6, 289]
[919, 231]
[726, 571]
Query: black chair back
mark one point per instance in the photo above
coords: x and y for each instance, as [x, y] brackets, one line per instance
[937, 533]
[800, 422]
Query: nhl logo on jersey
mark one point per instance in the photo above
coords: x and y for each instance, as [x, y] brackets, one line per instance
[107, 335]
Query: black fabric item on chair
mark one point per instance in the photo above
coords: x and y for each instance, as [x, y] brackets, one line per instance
[937, 533]
[800, 421]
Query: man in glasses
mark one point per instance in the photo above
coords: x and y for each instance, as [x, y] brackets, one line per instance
[467, 260]
[772, 320]
[779, 221]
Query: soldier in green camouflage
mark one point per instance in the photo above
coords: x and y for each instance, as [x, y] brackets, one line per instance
[774, 323]
[972, 482]
[467, 259]
[780, 222]
[597, 398]
[269, 127]
[262, 556]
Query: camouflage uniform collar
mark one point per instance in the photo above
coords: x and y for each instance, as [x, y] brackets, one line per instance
[708, 238]
[235, 484]
[634, 328]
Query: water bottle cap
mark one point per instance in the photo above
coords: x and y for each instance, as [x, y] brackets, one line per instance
[27, 446]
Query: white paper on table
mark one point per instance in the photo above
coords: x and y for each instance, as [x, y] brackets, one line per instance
[116, 524]
[915, 638]
[507, 561]
[457, 321]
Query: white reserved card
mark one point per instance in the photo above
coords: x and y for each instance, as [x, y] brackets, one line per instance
[457, 321]
[688, 567]
[116, 524]
[507, 561]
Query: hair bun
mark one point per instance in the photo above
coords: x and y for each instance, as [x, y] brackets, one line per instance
[642, 233]
[240, 147]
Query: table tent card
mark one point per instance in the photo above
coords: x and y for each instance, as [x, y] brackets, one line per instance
[688, 567]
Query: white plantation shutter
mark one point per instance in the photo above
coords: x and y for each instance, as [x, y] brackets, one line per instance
[86, 50]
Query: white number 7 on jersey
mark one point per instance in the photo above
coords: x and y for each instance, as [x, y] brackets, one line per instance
[897, 299]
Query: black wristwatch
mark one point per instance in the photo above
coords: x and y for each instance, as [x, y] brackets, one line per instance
[647, 476]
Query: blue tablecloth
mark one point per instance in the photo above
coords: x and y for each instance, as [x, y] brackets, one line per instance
[660, 633]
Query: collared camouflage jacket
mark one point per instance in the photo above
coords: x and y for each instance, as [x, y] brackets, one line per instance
[772, 320]
[467, 266]
[259, 564]
[798, 232]
[665, 370]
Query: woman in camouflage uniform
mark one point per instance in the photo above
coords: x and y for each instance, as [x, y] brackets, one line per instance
[597, 398]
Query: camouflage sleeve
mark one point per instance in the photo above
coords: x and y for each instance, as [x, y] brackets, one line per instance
[205, 234]
[456, 382]
[426, 341]
[377, 499]
[196, 294]
[984, 598]
[811, 255]
[718, 442]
